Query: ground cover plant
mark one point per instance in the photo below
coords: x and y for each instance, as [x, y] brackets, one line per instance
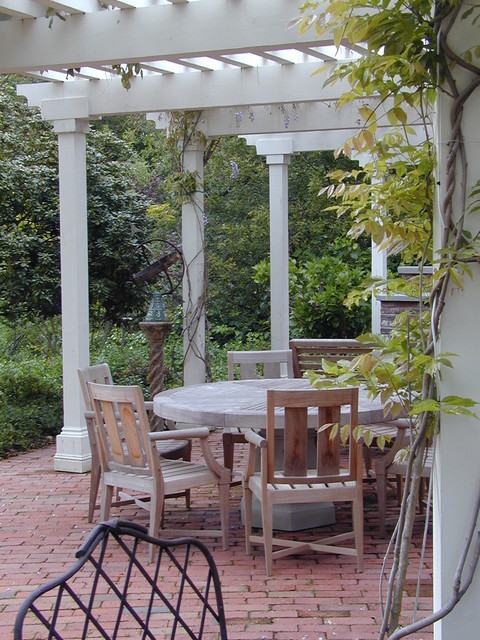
[31, 412]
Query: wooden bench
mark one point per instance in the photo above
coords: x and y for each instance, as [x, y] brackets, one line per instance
[308, 353]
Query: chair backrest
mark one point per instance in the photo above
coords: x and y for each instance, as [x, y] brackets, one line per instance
[99, 373]
[180, 593]
[294, 412]
[260, 364]
[123, 428]
[309, 353]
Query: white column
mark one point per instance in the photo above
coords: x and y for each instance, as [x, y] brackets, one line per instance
[379, 270]
[279, 298]
[194, 278]
[70, 119]
[73, 449]
[457, 472]
[378, 264]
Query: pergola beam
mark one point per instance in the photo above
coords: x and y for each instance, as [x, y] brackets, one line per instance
[179, 30]
[193, 91]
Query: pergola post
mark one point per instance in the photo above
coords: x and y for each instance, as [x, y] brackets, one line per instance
[279, 287]
[277, 150]
[70, 119]
[194, 345]
[456, 479]
[379, 270]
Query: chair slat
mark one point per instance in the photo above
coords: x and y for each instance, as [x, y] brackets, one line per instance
[295, 442]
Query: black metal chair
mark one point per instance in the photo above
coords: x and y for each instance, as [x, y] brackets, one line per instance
[112, 593]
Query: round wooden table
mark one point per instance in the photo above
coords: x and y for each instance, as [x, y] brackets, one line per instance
[240, 403]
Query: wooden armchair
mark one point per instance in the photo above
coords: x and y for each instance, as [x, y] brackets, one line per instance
[130, 460]
[101, 374]
[308, 353]
[249, 365]
[331, 480]
[389, 465]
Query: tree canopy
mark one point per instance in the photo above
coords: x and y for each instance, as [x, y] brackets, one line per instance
[29, 217]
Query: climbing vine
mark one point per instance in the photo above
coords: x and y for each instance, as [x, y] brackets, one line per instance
[407, 59]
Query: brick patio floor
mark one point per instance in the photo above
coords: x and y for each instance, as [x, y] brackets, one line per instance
[309, 597]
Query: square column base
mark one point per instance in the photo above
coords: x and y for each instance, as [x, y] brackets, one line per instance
[294, 517]
[73, 451]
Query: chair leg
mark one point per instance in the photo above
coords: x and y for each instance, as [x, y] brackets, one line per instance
[382, 498]
[367, 458]
[399, 481]
[95, 476]
[188, 457]
[224, 499]
[227, 440]
[247, 517]
[267, 523]
[156, 517]
[357, 517]
[106, 501]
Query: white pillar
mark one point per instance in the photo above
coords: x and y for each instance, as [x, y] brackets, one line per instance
[71, 125]
[379, 270]
[279, 292]
[194, 278]
[378, 263]
[457, 472]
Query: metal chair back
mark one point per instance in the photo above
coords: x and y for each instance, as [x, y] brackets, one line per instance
[112, 592]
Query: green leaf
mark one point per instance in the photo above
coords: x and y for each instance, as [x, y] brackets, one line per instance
[368, 437]
[467, 13]
[459, 401]
[344, 433]
[424, 406]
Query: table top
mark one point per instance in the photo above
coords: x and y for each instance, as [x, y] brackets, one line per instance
[240, 403]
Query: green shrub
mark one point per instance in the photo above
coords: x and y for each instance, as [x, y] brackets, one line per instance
[318, 289]
[30, 404]
[127, 356]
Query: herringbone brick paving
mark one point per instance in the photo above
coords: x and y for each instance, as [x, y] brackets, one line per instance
[309, 597]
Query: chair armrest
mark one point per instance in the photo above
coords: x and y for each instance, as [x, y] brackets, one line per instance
[400, 441]
[149, 406]
[183, 434]
[255, 438]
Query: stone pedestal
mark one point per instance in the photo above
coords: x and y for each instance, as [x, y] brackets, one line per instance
[156, 333]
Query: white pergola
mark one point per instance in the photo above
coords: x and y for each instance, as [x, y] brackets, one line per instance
[246, 73]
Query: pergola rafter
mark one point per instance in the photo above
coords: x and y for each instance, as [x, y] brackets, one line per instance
[179, 31]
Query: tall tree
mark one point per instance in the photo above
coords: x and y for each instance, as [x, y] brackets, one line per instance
[29, 217]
